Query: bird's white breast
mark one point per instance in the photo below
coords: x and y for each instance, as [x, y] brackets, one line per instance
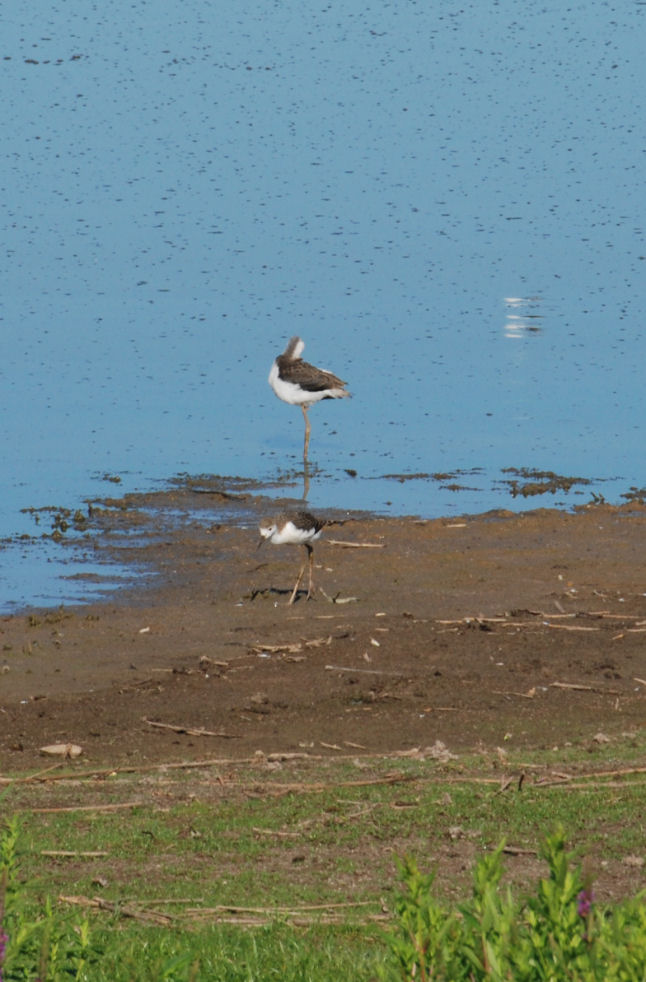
[289, 392]
[290, 533]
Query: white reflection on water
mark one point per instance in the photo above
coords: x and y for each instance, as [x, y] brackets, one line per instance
[522, 316]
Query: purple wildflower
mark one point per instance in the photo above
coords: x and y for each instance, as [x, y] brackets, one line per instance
[3, 947]
[584, 903]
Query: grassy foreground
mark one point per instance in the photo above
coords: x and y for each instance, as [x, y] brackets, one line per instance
[291, 867]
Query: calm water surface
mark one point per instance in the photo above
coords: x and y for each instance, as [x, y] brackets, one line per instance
[446, 201]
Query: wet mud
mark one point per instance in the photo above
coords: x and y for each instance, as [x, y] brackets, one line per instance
[523, 630]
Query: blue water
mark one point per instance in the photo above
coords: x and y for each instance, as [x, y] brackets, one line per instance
[446, 201]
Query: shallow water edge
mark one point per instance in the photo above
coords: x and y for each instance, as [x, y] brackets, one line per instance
[109, 547]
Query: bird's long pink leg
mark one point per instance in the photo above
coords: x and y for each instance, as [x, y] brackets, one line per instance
[311, 560]
[307, 432]
[297, 584]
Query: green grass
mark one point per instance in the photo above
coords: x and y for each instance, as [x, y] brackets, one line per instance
[194, 842]
[232, 955]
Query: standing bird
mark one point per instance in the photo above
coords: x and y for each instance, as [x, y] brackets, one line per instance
[300, 384]
[297, 528]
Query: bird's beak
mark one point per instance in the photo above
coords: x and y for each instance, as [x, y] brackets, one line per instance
[262, 539]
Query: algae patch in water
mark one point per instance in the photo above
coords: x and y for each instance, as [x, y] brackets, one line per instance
[533, 482]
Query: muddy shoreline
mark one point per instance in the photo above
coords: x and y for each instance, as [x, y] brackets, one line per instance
[526, 629]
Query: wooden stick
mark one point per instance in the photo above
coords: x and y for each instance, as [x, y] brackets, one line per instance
[66, 853]
[291, 647]
[512, 692]
[620, 772]
[38, 776]
[578, 687]
[184, 901]
[361, 671]
[355, 545]
[304, 921]
[86, 808]
[189, 730]
[607, 616]
[553, 615]
[246, 916]
[316, 788]
[273, 648]
[590, 786]
[67, 775]
[572, 685]
[231, 909]
[570, 627]
[480, 618]
[126, 910]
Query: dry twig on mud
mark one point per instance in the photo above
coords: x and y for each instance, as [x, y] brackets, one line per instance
[290, 647]
[355, 545]
[361, 671]
[190, 731]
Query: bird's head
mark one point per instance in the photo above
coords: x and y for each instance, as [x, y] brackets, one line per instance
[266, 528]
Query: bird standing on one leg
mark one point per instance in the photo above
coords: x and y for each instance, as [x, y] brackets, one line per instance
[298, 528]
[297, 382]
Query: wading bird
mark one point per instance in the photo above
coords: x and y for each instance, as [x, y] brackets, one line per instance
[297, 528]
[300, 384]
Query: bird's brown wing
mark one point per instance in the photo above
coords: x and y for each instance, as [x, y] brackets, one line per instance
[305, 519]
[310, 378]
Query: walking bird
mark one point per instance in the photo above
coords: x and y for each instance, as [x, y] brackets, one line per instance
[297, 528]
